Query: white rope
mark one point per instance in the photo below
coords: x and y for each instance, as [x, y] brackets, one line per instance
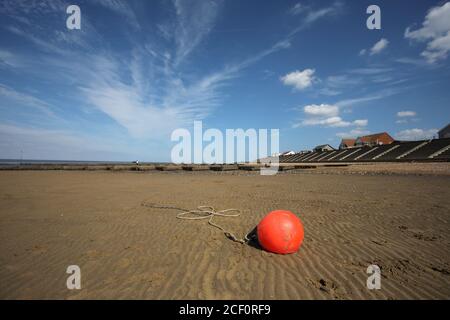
[204, 212]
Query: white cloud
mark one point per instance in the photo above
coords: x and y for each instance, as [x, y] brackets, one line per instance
[300, 80]
[333, 122]
[416, 134]
[436, 30]
[406, 117]
[379, 46]
[329, 122]
[353, 133]
[437, 49]
[328, 116]
[402, 114]
[361, 123]
[321, 110]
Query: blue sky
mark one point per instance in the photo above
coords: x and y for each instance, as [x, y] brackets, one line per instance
[137, 70]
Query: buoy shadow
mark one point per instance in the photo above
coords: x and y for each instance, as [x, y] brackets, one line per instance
[252, 237]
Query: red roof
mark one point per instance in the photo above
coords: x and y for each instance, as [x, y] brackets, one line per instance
[348, 142]
[382, 137]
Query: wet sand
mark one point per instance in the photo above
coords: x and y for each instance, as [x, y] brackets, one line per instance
[94, 219]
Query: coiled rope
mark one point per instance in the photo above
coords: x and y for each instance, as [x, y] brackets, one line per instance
[205, 212]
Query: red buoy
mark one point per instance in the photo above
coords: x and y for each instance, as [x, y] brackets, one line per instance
[280, 231]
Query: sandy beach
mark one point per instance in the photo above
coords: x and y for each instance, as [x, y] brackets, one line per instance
[94, 219]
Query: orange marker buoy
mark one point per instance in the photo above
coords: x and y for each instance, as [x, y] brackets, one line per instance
[280, 231]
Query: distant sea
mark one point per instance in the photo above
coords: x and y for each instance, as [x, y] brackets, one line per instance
[16, 162]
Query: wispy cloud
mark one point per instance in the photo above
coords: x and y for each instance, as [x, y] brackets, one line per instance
[143, 87]
[8, 59]
[378, 47]
[122, 8]
[195, 20]
[388, 91]
[144, 112]
[367, 98]
[371, 70]
[45, 144]
[297, 8]
[33, 8]
[314, 15]
[336, 84]
[159, 98]
[41, 44]
[181, 102]
[413, 61]
[310, 15]
[10, 96]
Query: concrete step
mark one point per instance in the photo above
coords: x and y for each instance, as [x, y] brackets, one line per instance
[348, 155]
[365, 153]
[413, 149]
[386, 152]
[439, 152]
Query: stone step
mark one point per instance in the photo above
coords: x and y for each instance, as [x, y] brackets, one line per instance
[385, 152]
[413, 149]
[439, 152]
